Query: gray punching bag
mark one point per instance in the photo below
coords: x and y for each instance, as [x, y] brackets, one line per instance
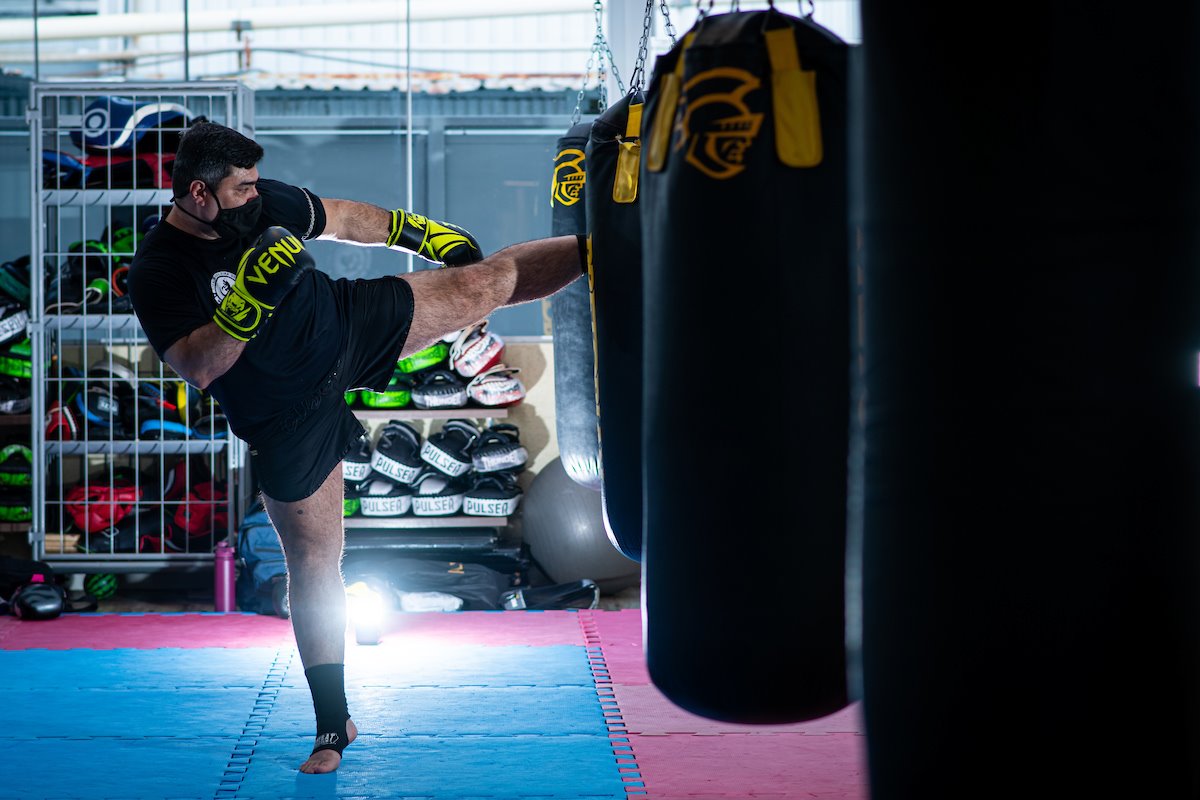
[615, 275]
[1031, 435]
[745, 247]
[571, 317]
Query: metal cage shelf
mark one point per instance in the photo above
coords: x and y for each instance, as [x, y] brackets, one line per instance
[105, 197]
[134, 471]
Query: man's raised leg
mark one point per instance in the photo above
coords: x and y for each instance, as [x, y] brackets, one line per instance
[446, 300]
[312, 537]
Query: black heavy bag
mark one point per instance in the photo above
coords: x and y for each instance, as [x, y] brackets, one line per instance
[615, 275]
[745, 246]
[1031, 580]
[571, 317]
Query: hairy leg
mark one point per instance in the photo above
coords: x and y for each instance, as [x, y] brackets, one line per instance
[311, 533]
[446, 300]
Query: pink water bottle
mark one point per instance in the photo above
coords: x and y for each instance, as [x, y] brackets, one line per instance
[223, 579]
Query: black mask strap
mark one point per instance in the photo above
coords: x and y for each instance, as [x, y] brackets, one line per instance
[193, 216]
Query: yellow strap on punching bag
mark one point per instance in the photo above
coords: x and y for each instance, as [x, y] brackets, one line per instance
[591, 276]
[625, 185]
[794, 100]
[664, 115]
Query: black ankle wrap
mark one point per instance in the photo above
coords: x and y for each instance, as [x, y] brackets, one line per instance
[327, 682]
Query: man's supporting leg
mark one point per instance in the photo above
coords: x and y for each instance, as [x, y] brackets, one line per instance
[311, 533]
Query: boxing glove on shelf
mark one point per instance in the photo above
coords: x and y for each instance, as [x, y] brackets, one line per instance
[266, 273]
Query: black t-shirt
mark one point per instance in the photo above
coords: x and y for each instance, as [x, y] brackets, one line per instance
[176, 281]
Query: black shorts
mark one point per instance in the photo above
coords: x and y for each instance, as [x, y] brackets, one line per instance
[295, 451]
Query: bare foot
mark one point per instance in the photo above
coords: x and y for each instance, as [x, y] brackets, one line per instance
[328, 760]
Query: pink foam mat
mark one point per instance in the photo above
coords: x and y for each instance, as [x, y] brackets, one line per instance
[145, 631]
[646, 711]
[778, 765]
[620, 635]
[149, 631]
[491, 628]
[681, 755]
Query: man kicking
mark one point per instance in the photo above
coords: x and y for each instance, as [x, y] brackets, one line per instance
[231, 300]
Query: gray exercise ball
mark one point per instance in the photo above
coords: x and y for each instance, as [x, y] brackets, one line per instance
[564, 527]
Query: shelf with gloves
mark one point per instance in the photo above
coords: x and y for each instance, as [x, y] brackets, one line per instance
[457, 476]
[407, 480]
[134, 467]
[398, 513]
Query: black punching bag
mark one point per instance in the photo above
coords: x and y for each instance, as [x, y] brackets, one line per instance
[571, 320]
[747, 369]
[1031, 451]
[615, 274]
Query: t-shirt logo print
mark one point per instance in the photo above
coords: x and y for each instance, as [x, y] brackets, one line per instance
[220, 284]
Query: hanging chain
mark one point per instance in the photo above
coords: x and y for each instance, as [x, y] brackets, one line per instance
[612, 64]
[587, 73]
[702, 10]
[601, 57]
[667, 26]
[638, 80]
[808, 8]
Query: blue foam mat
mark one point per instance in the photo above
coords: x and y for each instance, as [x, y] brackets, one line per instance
[438, 722]
[444, 767]
[417, 663]
[448, 711]
[102, 713]
[397, 665]
[98, 769]
[135, 669]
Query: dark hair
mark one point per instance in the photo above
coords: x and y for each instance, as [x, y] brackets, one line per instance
[207, 151]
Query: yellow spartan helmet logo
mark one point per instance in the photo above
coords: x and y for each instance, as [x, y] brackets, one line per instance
[717, 125]
[569, 177]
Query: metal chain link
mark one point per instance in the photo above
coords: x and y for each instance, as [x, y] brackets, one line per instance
[601, 57]
[602, 83]
[638, 80]
[808, 8]
[667, 26]
[612, 64]
[703, 11]
[587, 73]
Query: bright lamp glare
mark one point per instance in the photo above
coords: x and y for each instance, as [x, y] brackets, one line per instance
[365, 605]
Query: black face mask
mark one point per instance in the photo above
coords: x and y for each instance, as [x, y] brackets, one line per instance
[231, 223]
[237, 223]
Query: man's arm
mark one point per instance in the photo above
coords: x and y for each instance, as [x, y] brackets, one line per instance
[266, 273]
[351, 221]
[204, 355]
[365, 224]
